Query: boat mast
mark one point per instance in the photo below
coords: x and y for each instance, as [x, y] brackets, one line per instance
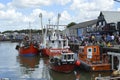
[58, 22]
[41, 22]
[30, 34]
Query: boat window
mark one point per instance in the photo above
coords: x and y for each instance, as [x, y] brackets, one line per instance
[65, 56]
[89, 50]
[52, 41]
[69, 57]
[64, 43]
[94, 49]
[59, 42]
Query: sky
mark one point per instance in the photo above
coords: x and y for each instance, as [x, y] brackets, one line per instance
[17, 14]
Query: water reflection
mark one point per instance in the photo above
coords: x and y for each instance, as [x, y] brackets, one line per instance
[27, 65]
[28, 62]
[32, 68]
[61, 76]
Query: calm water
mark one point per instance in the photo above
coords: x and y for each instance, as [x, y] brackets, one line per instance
[16, 67]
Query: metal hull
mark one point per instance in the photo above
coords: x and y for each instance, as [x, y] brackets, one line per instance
[53, 52]
[65, 68]
[29, 51]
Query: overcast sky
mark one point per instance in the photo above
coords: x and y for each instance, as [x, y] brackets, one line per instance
[16, 14]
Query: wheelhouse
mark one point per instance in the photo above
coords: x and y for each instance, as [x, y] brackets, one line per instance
[67, 57]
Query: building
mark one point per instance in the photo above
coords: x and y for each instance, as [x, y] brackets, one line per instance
[82, 28]
[108, 22]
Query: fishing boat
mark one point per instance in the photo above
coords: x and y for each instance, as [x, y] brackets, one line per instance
[56, 48]
[92, 59]
[29, 46]
[55, 43]
[64, 62]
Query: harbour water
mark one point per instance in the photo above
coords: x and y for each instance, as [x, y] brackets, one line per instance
[15, 67]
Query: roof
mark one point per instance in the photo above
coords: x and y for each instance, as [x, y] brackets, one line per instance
[85, 24]
[111, 16]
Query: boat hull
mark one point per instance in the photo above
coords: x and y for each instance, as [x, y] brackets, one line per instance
[65, 68]
[45, 52]
[94, 67]
[29, 51]
[52, 52]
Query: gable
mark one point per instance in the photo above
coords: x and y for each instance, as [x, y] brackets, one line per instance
[111, 16]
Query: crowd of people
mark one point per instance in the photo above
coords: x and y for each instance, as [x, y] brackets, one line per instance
[104, 40]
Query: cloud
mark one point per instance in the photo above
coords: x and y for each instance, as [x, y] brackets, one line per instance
[30, 3]
[61, 2]
[37, 3]
[90, 9]
[2, 6]
[92, 5]
[18, 13]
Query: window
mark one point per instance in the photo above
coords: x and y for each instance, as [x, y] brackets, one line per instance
[103, 23]
[65, 56]
[69, 57]
[89, 50]
[94, 49]
[99, 23]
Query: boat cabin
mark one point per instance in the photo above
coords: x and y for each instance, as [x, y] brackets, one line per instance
[67, 57]
[91, 53]
[59, 43]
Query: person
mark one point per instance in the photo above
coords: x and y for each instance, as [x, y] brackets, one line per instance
[109, 44]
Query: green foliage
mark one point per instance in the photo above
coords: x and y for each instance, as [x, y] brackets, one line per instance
[23, 31]
[71, 24]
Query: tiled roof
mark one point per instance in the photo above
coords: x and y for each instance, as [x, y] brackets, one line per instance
[111, 16]
[85, 24]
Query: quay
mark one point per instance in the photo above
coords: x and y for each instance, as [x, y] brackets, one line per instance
[75, 47]
[107, 78]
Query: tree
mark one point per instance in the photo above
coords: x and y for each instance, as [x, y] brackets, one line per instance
[71, 24]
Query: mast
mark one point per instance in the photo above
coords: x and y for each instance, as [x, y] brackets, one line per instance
[58, 21]
[30, 34]
[40, 15]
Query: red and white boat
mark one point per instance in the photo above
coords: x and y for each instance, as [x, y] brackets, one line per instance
[64, 62]
[56, 47]
[54, 44]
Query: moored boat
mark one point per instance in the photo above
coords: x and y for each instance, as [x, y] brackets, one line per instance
[55, 46]
[28, 47]
[92, 59]
[30, 50]
[64, 62]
